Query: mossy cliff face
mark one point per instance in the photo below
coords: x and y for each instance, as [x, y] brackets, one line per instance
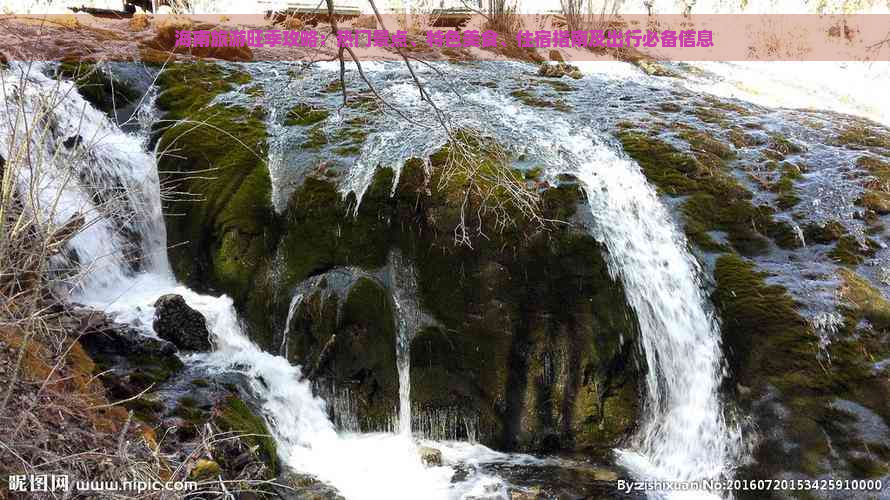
[527, 348]
[808, 397]
[529, 340]
[220, 222]
[794, 389]
[99, 88]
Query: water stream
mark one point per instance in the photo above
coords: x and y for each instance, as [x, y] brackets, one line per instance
[119, 264]
[97, 272]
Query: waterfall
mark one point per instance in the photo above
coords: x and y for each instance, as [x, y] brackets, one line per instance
[404, 289]
[295, 302]
[684, 435]
[70, 175]
[122, 268]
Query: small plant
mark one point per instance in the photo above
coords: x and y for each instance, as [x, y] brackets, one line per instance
[476, 174]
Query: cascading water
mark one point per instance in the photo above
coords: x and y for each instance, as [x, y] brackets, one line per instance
[369, 466]
[404, 285]
[684, 436]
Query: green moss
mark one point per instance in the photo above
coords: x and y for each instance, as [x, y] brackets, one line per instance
[145, 408]
[875, 200]
[316, 138]
[533, 174]
[864, 301]
[727, 106]
[99, 88]
[333, 87]
[863, 135]
[557, 85]
[153, 370]
[771, 348]
[219, 160]
[781, 145]
[235, 416]
[304, 115]
[323, 234]
[753, 311]
[848, 250]
[705, 143]
[826, 233]
[206, 470]
[880, 169]
[530, 99]
[672, 171]
[365, 345]
[784, 187]
[221, 225]
[718, 202]
[737, 217]
[714, 116]
[741, 139]
[192, 415]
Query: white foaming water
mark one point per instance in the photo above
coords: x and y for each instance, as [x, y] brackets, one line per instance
[361, 466]
[291, 310]
[98, 162]
[404, 286]
[684, 435]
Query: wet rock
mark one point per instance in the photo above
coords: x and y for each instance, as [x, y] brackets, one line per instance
[430, 457]
[535, 337]
[102, 337]
[305, 487]
[177, 322]
[98, 86]
[558, 70]
[533, 493]
[205, 469]
[239, 200]
[653, 68]
[232, 414]
[877, 201]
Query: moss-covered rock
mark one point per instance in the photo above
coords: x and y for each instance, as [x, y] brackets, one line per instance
[233, 415]
[718, 202]
[529, 98]
[875, 200]
[775, 353]
[864, 301]
[850, 251]
[862, 134]
[351, 346]
[221, 226]
[510, 306]
[304, 114]
[98, 87]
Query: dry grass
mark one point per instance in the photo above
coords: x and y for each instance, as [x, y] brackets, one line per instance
[502, 16]
[585, 15]
[55, 417]
[491, 194]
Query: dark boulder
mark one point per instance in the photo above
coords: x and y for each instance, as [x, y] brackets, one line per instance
[102, 337]
[130, 362]
[177, 322]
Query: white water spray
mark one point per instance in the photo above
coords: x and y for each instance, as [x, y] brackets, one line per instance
[684, 435]
[360, 466]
